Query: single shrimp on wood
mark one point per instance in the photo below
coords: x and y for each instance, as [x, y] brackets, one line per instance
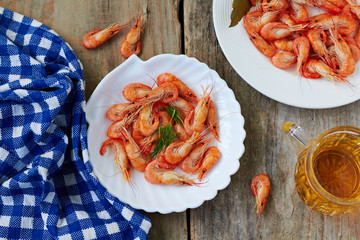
[302, 51]
[132, 44]
[211, 157]
[121, 158]
[95, 38]
[156, 173]
[184, 91]
[192, 162]
[284, 60]
[135, 91]
[260, 187]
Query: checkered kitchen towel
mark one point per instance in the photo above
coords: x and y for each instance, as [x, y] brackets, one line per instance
[47, 188]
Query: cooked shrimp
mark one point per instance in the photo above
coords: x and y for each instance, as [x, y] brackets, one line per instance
[354, 7]
[328, 6]
[147, 143]
[155, 173]
[180, 130]
[195, 120]
[260, 187]
[285, 18]
[132, 44]
[298, 12]
[276, 30]
[211, 157]
[273, 5]
[355, 50]
[263, 46]
[301, 50]
[136, 132]
[166, 92]
[305, 2]
[137, 159]
[318, 67]
[177, 151]
[318, 39]
[148, 120]
[338, 3]
[343, 54]
[183, 106]
[184, 91]
[343, 23]
[121, 158]
[284, 44]
[95, 38]
[121, 110]
[135, 91]
[257, 19]
[192, 162]
[212, 121]
[318, 17]
[284, 60]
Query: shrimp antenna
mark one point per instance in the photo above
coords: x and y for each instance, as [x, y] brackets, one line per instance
[154, 80]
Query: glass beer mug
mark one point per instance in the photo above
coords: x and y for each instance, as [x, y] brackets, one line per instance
[327, 173]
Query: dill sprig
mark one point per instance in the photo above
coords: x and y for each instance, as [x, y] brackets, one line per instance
[167, 133]
[174, 115]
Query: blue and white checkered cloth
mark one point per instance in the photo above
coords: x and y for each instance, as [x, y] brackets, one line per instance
[47, 188]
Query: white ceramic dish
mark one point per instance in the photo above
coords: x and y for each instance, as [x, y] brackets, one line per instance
[160, 198]
[281, 85]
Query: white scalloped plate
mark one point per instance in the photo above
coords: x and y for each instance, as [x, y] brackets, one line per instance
[160, 198]
[281, 85]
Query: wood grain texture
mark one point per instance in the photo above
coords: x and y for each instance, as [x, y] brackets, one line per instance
[231, 215]
[72, 19]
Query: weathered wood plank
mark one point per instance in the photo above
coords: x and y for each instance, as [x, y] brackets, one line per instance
[72, 19]
[231, 214]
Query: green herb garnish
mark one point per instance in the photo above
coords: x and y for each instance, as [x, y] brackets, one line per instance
[239, 9]
[167, 133]
[174, 114]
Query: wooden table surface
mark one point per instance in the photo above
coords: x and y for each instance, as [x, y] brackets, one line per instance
[186, 26]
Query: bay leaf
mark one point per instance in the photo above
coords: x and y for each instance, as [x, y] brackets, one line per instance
[239, 9]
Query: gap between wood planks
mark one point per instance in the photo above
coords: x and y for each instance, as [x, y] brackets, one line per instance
[182, 50]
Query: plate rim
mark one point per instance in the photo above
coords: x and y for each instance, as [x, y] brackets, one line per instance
[232, 97]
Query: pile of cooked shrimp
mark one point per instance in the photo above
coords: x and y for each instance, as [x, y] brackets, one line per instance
[320, 46]
[137, 134]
